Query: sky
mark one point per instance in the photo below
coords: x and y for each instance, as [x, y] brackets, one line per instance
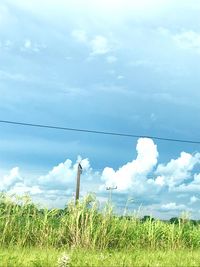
[120, 66]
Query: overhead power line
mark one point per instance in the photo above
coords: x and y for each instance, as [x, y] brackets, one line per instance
[98, 132]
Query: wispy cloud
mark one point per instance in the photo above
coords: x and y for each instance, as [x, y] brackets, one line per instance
[98, 44]
[4, 75]
[111, 59]
[30, 46]
[80, 36]
[188, 40]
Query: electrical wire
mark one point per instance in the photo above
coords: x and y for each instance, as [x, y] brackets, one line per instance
[98, 132]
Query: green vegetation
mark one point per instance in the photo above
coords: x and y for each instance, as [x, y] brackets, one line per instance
[91, 237]
[133, 258]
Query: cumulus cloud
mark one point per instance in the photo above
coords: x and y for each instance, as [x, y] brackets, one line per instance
[172, 206]
[171, 180]
[14, 183]
[133, 173]
[192, 187]
[62, 176]
[21, 189]
[11, 179]
[177, 170]
[54, 187]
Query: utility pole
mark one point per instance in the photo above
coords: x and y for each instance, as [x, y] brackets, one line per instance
[110, 188]
[79, 172]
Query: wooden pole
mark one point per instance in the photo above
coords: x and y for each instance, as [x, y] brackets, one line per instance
[79, 171]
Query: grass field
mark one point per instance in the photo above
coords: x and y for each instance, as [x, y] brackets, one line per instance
[37, 237]
[32, 257]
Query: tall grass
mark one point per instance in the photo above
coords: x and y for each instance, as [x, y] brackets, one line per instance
[84, 226]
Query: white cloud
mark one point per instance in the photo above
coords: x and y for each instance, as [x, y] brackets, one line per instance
[120, 77]
[160, 181]
[188, 40]
[111, 59]
[194, 199]
[12, 76]
[192, 187]
[27, 44]
[6, 44]
[163, 31]
[94, 10]
[14, 183]
[172, 206]
[177, 171]
[80, 36]
[57, 185]
[6, 16]
[185, 40]
[63, 176]
[141, 63]
[30, 46]
[175, 179]
[11, 179]
[22, 189]
[59, 177]
[133, 173]
[100, 45]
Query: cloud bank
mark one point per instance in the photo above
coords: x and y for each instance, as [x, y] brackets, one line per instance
[168, 188]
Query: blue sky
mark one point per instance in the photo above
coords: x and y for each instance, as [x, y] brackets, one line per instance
[124, 66]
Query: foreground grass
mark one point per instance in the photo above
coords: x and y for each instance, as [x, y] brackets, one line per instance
[13, 257]
[35, 237]
[22, 224]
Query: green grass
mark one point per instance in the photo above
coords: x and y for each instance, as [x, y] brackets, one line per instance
[83, 226]
[30, 236]
[49, 258]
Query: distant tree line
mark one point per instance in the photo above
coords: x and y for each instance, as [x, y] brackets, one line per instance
[173, 220]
